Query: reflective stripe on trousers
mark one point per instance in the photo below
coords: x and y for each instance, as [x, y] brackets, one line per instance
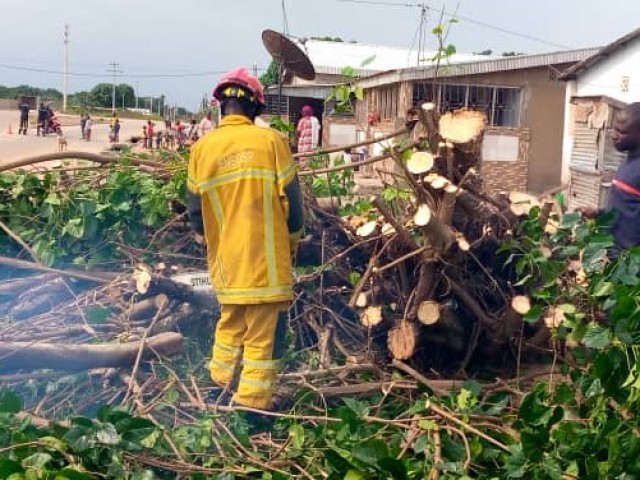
[255, 333]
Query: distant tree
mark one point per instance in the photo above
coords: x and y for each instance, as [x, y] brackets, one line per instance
[329, 39]
[270, 77]
[125, 94]
[484, 52]
[27, 90]
[100, 95]
[79, 99]
[513, 54]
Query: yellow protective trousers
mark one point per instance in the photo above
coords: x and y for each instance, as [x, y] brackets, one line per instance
[254, 334]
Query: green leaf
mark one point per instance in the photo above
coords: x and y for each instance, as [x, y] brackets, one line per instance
[367, 61]
[371, 451]
[9, 467]
[52, 199]
[359, 408]
[296, 432]
[108, 435]
[9, 402]
[532, 411]
[348, 72]
[450, 50]
[37, 460]
[596, 337]
[421, 444]
[570, 220]
[523, 281]
[74, 227]
[428, 424]
[533, 315]
[602, 289]
[70, 473]
[145, 475]
[54, 443]
[354, 475]
[393, 467]
[152, 439]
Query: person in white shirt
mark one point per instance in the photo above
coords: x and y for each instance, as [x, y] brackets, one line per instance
[206, 125]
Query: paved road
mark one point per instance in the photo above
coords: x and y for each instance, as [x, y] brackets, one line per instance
[14, 146]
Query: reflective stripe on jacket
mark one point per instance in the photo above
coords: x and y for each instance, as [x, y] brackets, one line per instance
[241, 171]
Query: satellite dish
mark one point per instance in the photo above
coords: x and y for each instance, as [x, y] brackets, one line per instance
[288, 55]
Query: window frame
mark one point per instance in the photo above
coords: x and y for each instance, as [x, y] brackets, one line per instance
[421, 89]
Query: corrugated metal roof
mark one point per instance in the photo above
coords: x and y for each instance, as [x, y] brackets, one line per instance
[476, 67]
[331, 57]
[573, 71]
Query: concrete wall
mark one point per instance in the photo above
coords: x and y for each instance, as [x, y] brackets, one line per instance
[542, 116]
[507, 176]
[616, 76]
[542, 113]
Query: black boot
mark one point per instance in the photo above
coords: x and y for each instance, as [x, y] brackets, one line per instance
[218, 396]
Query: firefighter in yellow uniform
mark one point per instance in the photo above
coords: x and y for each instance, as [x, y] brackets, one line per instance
[244, 197]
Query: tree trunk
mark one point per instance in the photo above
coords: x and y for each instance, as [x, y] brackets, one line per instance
[29, 355]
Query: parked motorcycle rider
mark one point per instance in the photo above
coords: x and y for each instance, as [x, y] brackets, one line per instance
[43, 119]
[244, 197]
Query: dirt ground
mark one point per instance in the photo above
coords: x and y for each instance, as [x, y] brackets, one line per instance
[14, 147]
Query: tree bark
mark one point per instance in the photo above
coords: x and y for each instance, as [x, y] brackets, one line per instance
[29, 355]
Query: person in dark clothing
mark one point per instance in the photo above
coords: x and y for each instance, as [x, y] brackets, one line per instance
[116, 131]
[83, 123]
[43, 118]
[625, 191]
[24, 117]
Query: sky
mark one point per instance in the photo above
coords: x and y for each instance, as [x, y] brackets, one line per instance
[179, 48]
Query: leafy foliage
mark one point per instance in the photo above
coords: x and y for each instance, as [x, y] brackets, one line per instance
[270, 77]
[345, 95]
[27, 90]
[338, 184]
[84, 224]
[582, 423]
[101, 95]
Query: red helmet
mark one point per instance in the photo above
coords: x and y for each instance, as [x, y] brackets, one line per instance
[242, 78]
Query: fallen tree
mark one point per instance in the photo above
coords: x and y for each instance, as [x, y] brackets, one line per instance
[416, 271]
[431, 283]
[38, 355]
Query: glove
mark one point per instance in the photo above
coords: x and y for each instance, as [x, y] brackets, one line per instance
[294, 239]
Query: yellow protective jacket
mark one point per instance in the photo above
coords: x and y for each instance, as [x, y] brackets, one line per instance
[240, 171]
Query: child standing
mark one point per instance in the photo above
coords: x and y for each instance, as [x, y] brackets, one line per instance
[87, 128]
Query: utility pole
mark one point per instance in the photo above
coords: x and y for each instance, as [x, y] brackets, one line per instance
[114, 70]
[65, 78]
[422, 41]
[137, 87]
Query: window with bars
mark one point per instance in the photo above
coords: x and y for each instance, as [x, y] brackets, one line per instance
[272, 104]
[501, 105]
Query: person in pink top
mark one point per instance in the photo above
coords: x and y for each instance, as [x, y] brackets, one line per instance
[308, 131]
[206, 125]
[150, 133]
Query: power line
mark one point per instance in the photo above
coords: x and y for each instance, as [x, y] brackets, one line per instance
[381, 3]
[285, 20]
[507, 31]
[65, 78]
[461, 17]
[106, 75]
[114, 70]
